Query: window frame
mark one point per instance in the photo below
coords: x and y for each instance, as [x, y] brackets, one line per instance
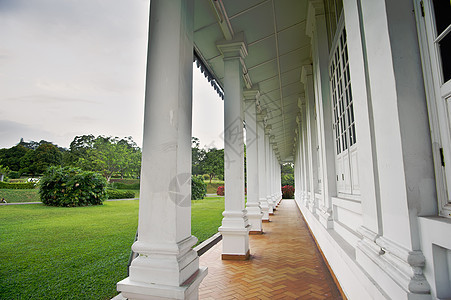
[437, 94]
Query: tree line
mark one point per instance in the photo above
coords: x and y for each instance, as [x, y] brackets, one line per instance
[109, 156]
[106, 155]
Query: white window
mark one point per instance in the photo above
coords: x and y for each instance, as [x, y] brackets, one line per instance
[343, 116]
[434, 20]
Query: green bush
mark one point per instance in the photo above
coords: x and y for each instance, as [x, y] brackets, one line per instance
[17, 185]
[71, 187]
[206, 177]
[118, 194]
[125, 186]
[198, 188]
[14, 175]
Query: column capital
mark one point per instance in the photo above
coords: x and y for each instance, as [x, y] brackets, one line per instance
[251, 95]
[315, 8]
[301, 100]
[268, 128]
[272, 139]
[306, 70]
[235, 48]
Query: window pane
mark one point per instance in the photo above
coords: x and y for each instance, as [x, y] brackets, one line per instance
[442, 10]
[445, 53]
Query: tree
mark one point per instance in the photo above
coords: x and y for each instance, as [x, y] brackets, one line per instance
[198, 156]
[213, 163]
[107, 155]
[287, 169]
[11, 157]
[37, 161]
[287, 173]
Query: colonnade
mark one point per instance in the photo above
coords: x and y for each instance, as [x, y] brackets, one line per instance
[167, 267]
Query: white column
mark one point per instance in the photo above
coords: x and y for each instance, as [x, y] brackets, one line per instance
[262, 169]
[401, 140]
[305, 153]
[254, 213]
[323, 102]
[167, 267]
[235, 227]
[268, 171]
[307, 80]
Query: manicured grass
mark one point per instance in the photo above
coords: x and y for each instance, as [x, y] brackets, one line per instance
[79, 252]
[206, 217]
[12, 196]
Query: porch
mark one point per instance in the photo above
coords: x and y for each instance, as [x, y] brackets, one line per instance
[285, 263]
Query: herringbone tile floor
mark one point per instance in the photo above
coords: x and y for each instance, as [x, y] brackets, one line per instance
[285, 264]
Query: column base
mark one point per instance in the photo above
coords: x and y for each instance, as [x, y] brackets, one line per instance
[264, 208]
[235, 241]
[255, 221]
[254, 216]
[393, 267]
[134, 290]
[236, 256]
[325, 217]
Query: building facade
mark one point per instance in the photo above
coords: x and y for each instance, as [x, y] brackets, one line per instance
[354, 93]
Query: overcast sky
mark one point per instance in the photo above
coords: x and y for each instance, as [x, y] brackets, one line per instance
[73, 67]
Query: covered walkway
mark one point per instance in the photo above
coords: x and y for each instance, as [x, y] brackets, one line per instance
[285, 264]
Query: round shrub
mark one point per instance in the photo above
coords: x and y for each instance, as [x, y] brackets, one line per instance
[118, 194]
[198, 188]
[71, 187]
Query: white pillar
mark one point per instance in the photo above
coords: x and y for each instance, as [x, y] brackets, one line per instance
[401, 140]
[254, 213]
[305, 157]
[262, 170]
[268, 169]
[312, 141]
[318, 33]
[235, 227]
[167, 267]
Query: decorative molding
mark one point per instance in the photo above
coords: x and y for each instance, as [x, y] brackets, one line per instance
[251, 95]
[403, 266]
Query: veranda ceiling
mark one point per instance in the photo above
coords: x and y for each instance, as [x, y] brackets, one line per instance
[275, 33]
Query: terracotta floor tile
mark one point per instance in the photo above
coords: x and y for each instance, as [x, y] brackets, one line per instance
[285, 264]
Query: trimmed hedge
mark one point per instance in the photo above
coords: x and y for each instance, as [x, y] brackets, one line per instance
[198, 188]
[72, 187]
[118, 194]
[17, 185]
[125, 186]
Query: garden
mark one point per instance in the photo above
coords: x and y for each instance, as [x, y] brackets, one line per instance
[73, 243]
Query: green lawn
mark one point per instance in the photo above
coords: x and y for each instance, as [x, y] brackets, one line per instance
[77, 253]
[11, 195]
